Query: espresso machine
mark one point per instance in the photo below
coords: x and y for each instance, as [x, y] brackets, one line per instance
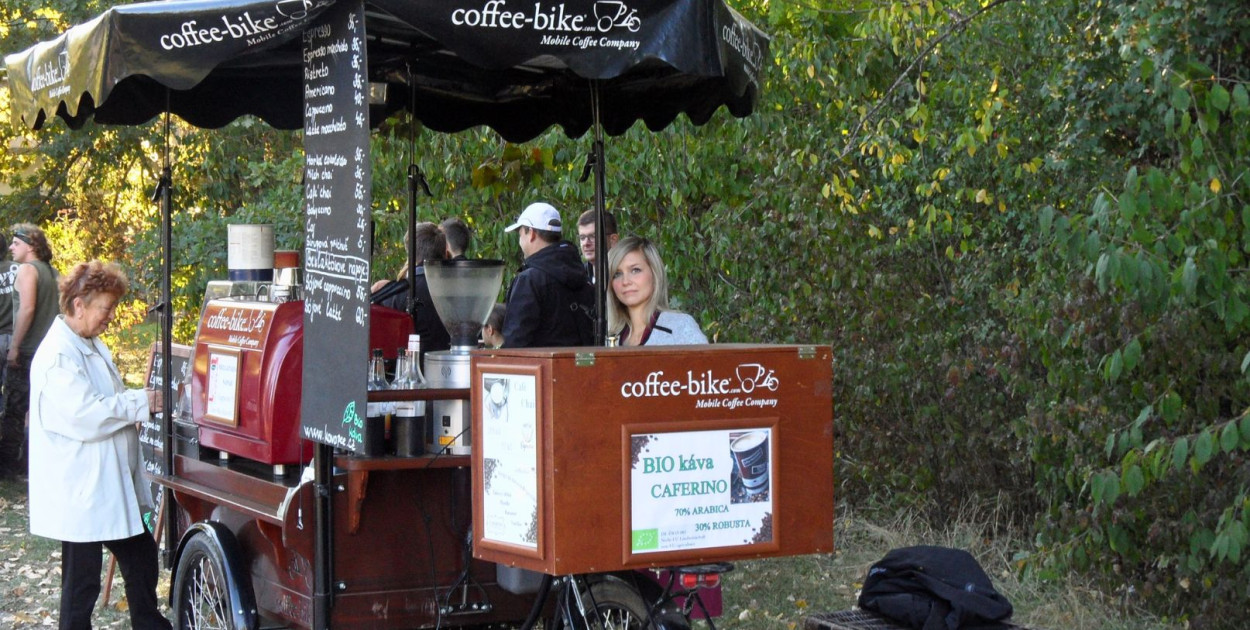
[464, 292]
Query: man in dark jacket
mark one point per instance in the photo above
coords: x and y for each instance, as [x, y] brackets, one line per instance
[425, 320]
[550, 301]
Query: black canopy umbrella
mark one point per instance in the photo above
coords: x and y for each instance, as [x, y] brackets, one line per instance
[518, 68]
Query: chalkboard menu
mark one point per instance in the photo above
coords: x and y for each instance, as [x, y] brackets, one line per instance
[337, 200]
[151, 433]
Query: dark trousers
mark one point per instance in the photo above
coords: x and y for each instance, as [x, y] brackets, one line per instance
[80, 581]
[13, 424]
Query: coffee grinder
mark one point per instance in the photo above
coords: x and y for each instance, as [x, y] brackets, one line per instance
[464, 292]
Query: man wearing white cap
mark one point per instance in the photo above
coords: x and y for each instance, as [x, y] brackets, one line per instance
[550, 301]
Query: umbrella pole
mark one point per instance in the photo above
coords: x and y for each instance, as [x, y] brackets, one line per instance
[415, 178]
[601, 253]
[164, 192]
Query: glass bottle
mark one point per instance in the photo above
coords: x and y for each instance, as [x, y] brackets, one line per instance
[376, 415]
[414, 346]
[410, 414]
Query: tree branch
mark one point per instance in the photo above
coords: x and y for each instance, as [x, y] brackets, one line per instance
[956, 26]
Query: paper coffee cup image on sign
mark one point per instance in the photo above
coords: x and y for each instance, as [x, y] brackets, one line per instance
[749, 476]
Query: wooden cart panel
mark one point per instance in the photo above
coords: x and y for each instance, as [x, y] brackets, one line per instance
[600, 459]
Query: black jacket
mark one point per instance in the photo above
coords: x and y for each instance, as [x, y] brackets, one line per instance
[934, 588]
[426, 321]
[550, 301]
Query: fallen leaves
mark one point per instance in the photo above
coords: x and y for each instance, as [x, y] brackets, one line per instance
[30, 573]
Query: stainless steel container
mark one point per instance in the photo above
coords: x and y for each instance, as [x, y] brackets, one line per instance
[449, 422]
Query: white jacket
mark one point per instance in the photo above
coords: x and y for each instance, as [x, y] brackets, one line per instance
[85, 468]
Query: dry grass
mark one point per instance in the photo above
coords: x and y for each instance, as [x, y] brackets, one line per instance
[780, 593]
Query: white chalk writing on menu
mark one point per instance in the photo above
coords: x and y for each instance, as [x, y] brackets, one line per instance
[337, 200]
[338, 270]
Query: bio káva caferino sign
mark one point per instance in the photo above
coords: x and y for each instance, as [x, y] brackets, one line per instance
[700, 489]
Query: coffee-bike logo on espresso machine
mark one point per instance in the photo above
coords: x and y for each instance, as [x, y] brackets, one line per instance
[750, 385]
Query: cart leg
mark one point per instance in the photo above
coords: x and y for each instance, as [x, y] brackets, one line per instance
[108, 581]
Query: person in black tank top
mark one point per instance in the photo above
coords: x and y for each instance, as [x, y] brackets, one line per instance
[35, 307]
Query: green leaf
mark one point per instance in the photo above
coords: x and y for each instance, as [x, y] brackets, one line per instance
[1128, 206]
[1100, 271]
[1236, 541]
[1180, 453]
[1180, 99]
[1219, 97]
[1204, 447]
[1170, 407]
[1046, 219]
[1115, 366]
[1245, 363]
[1235, 313]
[1229, 437]
[1110, 487]
[1189, 277]
[1109, 447]
[1134, 480]
[1241, 100]
[1132, 355]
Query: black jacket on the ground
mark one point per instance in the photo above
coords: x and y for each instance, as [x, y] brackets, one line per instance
[425, 321]
[550, 301]
[934, 588]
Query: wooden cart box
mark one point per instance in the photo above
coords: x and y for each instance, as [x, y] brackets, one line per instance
[599, 459]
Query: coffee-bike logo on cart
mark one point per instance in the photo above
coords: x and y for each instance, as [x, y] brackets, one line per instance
[712, 388]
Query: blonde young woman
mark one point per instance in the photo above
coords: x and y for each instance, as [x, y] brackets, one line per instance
[638, 303]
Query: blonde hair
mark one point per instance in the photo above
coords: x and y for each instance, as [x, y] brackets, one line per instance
[618, 314]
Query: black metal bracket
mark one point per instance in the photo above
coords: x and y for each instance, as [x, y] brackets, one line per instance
[589, 168]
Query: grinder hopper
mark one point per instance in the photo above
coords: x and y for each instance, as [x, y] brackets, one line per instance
[464, 292]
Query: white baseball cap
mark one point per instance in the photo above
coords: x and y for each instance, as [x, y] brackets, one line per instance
[538, 216]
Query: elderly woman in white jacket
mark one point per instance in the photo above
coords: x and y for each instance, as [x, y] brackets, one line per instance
[86, 483]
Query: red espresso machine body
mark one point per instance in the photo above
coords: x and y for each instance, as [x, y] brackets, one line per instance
[247, 376]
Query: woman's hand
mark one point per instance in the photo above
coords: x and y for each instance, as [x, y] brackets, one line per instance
[155, 400]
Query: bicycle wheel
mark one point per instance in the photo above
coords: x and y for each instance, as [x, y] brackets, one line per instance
[201, 588]
[616, 606]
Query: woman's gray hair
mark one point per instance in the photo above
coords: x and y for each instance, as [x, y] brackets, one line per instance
[618, 314]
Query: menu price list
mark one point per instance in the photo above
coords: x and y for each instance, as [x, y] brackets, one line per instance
[337, 198]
